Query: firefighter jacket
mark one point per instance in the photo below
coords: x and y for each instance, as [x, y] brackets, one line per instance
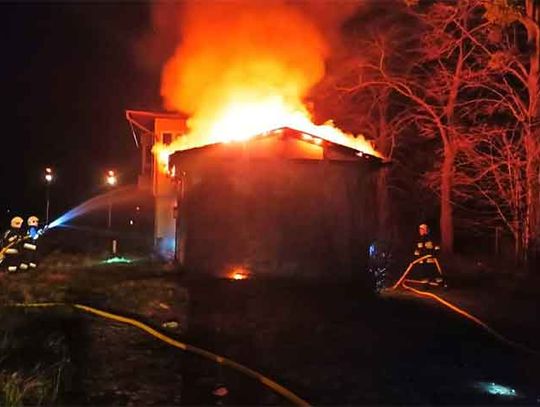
[33, 232]
[11, 238]
[425, 246]
[11, 242]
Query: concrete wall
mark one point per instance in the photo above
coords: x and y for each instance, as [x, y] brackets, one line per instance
[276, 216]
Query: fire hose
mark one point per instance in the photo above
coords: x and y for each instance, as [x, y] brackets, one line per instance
[271, 384]
[460, 311]
[4, 249]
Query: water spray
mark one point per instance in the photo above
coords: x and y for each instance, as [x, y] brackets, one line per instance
[93, 204]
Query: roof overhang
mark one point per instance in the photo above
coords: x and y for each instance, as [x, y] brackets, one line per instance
[143, 121]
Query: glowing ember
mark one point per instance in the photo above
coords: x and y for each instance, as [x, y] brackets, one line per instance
[245, 68]
[238, 273]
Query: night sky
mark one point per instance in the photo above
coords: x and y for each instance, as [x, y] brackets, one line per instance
[68, 73]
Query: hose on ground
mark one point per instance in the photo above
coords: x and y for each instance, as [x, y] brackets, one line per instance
[271, 384]
[460, 311]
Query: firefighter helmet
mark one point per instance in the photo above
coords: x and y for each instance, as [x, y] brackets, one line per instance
[17, 222]
[33, 221]
[423, 229]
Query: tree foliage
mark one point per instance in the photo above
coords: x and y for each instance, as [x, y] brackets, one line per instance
[467, 82]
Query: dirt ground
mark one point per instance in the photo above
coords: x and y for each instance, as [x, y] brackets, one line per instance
[330, 343]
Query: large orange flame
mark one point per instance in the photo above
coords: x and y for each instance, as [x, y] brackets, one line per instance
[244, 68]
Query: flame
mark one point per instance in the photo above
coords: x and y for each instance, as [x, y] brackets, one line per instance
[238, 276]
[238, 273]
[162, 153]
[244, 68]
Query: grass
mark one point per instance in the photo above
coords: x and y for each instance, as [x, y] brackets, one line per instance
[136, 287]
[40, 388]
[40, 363]
[38, 385]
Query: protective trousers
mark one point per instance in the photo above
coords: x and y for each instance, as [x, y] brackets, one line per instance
[11, 260]
[29, 255]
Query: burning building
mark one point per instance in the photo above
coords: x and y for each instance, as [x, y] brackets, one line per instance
[246, 180]
[284, 202]
[281, 202]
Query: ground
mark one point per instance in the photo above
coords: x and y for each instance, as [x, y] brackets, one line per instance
[329, 342]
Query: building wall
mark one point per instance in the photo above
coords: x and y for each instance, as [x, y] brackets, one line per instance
[164, 190]
[276, 216]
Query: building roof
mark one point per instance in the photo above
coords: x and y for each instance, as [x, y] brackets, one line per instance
[328, 150]
[143, 121]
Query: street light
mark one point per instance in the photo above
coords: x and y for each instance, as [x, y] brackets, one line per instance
[111, 178]
[111, 181]
[48, 180]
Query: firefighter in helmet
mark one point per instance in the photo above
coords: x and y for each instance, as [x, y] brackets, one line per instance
[427, 270]
[11, 245]
[29, 255]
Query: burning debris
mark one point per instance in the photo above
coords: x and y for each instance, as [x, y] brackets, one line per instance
[243, 69]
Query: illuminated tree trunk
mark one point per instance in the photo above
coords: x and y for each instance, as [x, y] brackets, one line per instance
[533, 190]
[532, 139]
[448, 165]
[446, 217]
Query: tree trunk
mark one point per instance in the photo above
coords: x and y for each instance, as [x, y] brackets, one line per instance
[532, 140]
[533, 196]
[385, 224]
[447, 170]
[446, 217]
[517, 248]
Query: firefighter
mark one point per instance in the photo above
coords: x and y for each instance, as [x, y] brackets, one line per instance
[426, 271]
[29, 255]
[11, 245]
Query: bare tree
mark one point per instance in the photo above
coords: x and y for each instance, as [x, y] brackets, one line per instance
[499, 162]
[372, 111]
[517, 23]
[472, 87]
[497, 152]
[490, 180]
[447, 56]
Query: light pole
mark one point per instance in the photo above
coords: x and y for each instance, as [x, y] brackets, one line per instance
[111, 181]
[48, 179]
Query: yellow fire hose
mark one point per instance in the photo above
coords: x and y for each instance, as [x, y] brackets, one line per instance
[10, 245]
[282, 391]
[412, 264]
[456, 309]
